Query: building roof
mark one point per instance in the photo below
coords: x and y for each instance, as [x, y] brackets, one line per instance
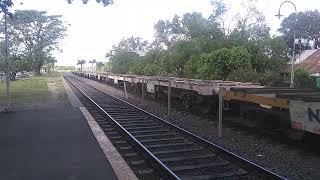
[305, 55]
[308, 60]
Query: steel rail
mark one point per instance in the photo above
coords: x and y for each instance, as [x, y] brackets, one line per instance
[236, 159]
[165, 171]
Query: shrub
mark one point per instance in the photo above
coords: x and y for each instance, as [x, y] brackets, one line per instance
[302, 79]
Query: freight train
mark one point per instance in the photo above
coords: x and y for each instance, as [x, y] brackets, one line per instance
[293, 111]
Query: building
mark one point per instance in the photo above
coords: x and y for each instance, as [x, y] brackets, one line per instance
[308, 60]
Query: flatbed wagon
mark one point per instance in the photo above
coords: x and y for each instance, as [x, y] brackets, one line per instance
[295, 111]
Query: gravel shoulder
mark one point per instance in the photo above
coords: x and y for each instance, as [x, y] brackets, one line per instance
[285, 160]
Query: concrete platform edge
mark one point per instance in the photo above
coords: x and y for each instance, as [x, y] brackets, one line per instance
[119, 165]
[74, 100]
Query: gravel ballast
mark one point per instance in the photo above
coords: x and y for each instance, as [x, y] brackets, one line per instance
[285, 160]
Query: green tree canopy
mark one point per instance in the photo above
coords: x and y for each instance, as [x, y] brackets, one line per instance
[307, 29]
[35, 34]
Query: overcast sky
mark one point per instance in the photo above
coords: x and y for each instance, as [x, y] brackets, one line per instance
[94, 28]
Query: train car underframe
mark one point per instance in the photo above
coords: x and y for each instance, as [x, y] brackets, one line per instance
[269, 119]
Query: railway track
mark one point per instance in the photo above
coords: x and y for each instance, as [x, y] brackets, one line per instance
[155, 148]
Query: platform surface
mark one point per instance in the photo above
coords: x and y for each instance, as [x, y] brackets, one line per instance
[51, 144]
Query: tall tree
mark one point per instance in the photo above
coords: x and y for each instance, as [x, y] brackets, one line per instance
[92, 62]
[81, 63]
[307, 29]
[36, 33]
[127, 52]
[5, 5]
[251, 25]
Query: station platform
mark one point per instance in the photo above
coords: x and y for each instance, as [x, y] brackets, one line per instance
[50, 144]
[56, 143]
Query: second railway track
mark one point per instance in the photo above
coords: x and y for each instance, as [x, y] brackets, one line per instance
[168, 151]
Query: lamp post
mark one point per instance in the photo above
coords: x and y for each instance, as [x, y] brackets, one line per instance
[294, 38]
[8, 105]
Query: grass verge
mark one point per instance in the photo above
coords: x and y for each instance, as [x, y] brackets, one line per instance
[32, 92]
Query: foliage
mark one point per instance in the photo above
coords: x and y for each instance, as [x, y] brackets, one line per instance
[81, 63]
[122, 60]
[245, 75]
[150, 64]
[92, 62]
[218, 9]
[104, 2]
[99, 66]
[65, 68]
[5, 5]
[126, 53]
[132, 44]
[192, 26]
[306, 27]
[218, 64]
[178, 54]
[270, 79]
[18, 63]
[35, 34]
[302, 79]
[197, 47]
[252, 25]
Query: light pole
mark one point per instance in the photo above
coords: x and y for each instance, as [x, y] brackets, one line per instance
[8, 105]
[294, 38]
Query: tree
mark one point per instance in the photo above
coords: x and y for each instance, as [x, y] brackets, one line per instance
[50, 61]
[5, 5]
[178, 54]
[18, 63]
[307, 29]
[99, 66]
[192, 26]
[126, 53]
[251, 25]
[92, 62]
[218, 9]
[36, 34]
[131, 44]
[218, 64]
[104, 2]
[81, 63]
[122, 61]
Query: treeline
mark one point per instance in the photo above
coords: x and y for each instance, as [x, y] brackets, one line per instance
[197, 47]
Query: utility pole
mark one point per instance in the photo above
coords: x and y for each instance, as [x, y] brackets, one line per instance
[8, 105]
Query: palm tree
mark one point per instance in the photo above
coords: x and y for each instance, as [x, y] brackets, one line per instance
[81, 62]
[92, 62]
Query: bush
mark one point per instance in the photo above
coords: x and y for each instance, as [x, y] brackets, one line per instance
[302, 79]
[270, 79]
[245, 75]
[218, 64]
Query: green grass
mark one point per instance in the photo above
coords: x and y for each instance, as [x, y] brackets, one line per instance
[32, 92]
